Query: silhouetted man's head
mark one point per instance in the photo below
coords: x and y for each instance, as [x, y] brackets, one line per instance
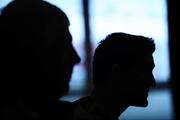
[122, 68]
[38, 47]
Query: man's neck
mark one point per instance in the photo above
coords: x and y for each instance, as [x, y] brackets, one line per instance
[106, 107]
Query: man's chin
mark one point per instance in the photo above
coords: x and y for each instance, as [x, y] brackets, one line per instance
[141, 103]
[65, 91]
[62, 92]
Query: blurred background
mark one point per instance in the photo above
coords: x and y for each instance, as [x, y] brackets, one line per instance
[91, 21]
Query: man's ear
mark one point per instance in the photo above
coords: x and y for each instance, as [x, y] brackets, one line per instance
[114, 72]
[115, 67]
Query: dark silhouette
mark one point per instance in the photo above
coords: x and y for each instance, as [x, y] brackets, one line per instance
[37, 59]
[122, 77]
[174, 36]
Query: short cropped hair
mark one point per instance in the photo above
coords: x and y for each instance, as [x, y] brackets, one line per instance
[121, 49]
[29, 27]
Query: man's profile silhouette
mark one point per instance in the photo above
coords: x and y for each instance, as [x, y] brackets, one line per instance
[37, 60]
[122, 77]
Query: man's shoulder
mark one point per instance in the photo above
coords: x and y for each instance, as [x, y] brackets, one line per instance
[83, 101]
[80, 109]
[59, 110]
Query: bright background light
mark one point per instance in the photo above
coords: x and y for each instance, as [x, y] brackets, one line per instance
[140, 17]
